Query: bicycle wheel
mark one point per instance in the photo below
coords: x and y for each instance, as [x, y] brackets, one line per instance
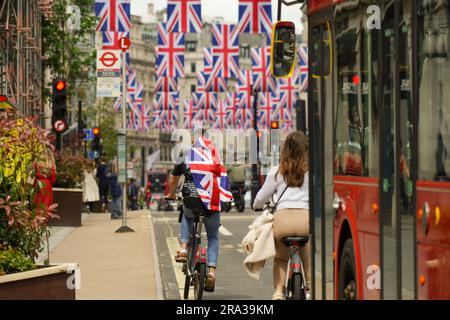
[199, 281]
[297, 288]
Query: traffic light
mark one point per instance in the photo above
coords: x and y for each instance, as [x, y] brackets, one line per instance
[96, 146]
[274, 125]
[59, 100]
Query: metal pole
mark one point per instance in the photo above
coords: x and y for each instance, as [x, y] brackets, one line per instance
[255, 175]
[124, 228]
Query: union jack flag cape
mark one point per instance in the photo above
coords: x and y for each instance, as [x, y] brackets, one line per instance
[209, 174]
[184, 16]
[170, 58]
[114, 15]
[255, 16]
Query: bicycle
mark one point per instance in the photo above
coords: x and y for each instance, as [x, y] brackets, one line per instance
[295, 288]
[195, 267]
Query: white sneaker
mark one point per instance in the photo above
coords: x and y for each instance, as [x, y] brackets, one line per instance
[278, 295]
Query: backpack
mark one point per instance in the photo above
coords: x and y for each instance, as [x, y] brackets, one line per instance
[191, 198]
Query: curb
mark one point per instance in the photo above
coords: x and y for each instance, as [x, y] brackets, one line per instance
[158, 279]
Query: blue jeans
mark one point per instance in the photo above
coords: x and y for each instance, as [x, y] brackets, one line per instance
[116, 206]
[212, 224]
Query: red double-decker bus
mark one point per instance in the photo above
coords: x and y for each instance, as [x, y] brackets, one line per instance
[379, 128]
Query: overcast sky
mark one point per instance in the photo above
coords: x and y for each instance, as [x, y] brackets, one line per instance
[220, 8]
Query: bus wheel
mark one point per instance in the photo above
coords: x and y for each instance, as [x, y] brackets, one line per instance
[347, 273]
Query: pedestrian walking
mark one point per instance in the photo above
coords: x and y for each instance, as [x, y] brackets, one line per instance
[116, 193]
[133, 194]
[45, 178]
[103, 183]
[288, 185]
[90, 188]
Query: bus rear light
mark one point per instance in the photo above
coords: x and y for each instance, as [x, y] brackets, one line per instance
[375, 208]
[437, 216]
[422, 280]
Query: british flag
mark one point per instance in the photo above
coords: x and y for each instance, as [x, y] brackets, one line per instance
[289, 90]
[207, 60]
[114, 15]
[206, 102]
[231, 105]
[220, 115]
[255, 16]
[131, 92]
[225, 50]
[133, 118]
[206, 82]
[245, 110]
[262, 76]
[167, 103]
[287, 122]
[267, 109]
[170, 58]
[156, 116]
[245, 82]
[110, 39]
[144, 116]
[189, 113]
[184, 16]
[139, 95]
[303, 59]
[209, 175]
[166, 84]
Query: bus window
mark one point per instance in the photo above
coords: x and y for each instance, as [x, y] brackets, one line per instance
[321, 65]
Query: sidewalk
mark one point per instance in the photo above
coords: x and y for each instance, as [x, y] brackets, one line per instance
[113, 265]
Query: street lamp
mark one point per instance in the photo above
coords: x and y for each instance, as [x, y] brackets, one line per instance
[255, 174]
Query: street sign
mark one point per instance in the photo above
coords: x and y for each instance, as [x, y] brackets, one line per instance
[124, 43]
[130, 169]
[108, 73]
[88, 134]
[60, 126]
[122, 158]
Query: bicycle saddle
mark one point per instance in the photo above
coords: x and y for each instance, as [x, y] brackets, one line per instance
[288, 241]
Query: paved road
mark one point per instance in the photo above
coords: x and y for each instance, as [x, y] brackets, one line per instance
[232, 280]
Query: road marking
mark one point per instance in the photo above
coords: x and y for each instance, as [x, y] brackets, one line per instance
[173, 245]
[224, 231]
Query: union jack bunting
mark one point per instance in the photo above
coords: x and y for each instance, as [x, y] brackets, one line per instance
[245, 110]
[220, 115]
[245, 81]
[255, 16]
[139, 95]
[207, 101]
[262, 77]
[289, 90]
[232, 105]
[170, 58]
[144, 117]
[184, 16]
[207, 60]
[209, 175]
[110, 39]
[206, 82]
[267, 109]
[114, 15]
[225, 50]
[189, 114]
[303, 58]
[287, 122]
[131, 92]
[133, 118]
[167, 103]
[156, 116]
[166, 84]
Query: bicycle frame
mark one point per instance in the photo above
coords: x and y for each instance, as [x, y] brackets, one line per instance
[198, 245]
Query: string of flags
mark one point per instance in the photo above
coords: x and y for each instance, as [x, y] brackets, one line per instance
[275, 98]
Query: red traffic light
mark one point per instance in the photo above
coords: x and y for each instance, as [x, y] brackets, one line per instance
[60, 85]
[96, 131]
[274, 124]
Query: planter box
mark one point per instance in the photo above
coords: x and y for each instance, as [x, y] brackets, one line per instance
[46, 283]
[70, 207]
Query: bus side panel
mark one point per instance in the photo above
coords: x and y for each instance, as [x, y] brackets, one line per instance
[316, 5]
[359, 194]
[434, 245]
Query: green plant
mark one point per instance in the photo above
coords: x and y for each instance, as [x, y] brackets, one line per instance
[70, 169]
[23, 222]
[12, 261]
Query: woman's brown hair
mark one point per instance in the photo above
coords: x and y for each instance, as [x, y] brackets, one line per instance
[294, 160]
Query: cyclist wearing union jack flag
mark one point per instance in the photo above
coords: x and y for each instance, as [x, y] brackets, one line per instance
[206, 185]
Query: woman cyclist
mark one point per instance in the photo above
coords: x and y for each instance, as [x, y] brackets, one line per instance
[290, 181]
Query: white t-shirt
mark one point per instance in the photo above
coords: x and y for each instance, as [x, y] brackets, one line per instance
[293, 198]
